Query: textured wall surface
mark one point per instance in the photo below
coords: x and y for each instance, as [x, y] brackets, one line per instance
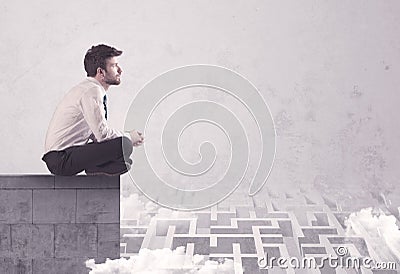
[328, 70]
[53, 224]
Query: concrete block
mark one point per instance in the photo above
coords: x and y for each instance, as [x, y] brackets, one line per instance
[16, 266]
[38, 229]
[54, 206]
[32, 241]
[26, 181]
[97, 206]
[75, 240]
[60, 266]
[108, 241]
[83, 181]
[5, 240]
[15, 206]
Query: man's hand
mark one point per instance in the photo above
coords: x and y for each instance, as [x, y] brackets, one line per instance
[136, 137]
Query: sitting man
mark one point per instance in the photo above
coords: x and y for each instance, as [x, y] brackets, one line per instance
[78, 137]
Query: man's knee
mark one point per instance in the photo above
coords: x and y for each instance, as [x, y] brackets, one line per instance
[127, 147]
[57, 163]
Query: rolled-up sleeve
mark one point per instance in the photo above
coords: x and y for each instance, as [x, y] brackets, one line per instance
[93, 111]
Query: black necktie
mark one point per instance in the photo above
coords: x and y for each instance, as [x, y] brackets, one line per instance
[105, 105]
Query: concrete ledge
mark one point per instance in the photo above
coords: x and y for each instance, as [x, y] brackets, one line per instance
[26, 181]
[35, 181]
[87, 182]
[53, 224]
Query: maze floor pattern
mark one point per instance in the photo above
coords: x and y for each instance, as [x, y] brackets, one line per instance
[299, 223]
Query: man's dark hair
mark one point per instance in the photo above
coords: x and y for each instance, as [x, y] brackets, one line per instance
[96, 57]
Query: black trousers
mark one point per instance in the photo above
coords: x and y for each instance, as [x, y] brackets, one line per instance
[109, 156]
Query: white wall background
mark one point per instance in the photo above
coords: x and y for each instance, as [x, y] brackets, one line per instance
[329, 71]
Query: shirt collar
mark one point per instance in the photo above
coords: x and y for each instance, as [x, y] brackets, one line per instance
[95, 81]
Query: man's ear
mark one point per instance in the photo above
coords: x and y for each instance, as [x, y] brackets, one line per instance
[100, 71]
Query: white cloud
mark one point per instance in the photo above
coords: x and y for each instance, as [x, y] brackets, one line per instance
[375, 224]
[162, 261]
[158, 261]
[133, 208]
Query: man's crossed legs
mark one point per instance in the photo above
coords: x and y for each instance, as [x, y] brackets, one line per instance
[110, 157]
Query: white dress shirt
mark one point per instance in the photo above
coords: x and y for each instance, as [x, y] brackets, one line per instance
[79, 117]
